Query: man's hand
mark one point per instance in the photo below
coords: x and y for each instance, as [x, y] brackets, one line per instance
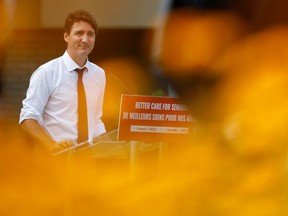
[61, 145]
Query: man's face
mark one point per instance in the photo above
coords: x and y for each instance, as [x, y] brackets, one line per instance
[81, 40]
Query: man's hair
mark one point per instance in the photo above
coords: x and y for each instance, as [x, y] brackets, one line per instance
[79, 15]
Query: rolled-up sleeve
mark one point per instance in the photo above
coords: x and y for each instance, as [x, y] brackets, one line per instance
[36, 97]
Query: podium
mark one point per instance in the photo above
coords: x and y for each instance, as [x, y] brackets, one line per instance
[107, 146]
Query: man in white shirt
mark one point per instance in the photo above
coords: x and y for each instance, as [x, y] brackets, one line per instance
[50, 109]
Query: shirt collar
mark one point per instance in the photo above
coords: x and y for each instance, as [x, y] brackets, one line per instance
[71, 65]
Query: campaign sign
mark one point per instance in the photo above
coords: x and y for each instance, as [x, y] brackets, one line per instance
[150, 118]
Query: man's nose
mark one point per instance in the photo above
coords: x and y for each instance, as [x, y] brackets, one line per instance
[85, 38]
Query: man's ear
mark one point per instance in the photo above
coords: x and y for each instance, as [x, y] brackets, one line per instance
[66, 36]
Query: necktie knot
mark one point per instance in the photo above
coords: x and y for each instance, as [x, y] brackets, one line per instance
[80, 71]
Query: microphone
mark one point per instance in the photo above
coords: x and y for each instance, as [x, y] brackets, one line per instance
[115, 83]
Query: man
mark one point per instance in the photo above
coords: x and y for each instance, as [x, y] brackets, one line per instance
[50, 109]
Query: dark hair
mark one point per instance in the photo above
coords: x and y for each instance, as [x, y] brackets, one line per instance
[79, 15]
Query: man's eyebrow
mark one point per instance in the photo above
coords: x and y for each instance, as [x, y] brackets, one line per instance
[81, 31]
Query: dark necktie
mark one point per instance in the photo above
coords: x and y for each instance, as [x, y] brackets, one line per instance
[82, 109]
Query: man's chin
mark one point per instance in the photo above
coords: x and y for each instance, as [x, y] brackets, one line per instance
[84, 52]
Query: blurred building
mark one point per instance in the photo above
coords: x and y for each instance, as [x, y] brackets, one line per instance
[33, 35]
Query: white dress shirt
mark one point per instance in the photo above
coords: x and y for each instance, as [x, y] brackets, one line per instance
[52, 98]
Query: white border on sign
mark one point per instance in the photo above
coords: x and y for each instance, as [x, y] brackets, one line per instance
[159, 129]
